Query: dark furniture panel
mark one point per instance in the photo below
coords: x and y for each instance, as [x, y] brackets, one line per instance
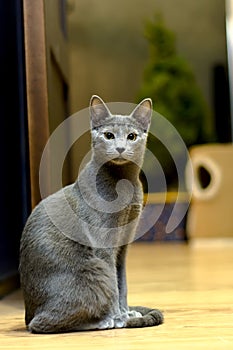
[14, 174]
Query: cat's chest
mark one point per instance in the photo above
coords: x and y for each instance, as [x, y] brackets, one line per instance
[112, 220]
[107, 200]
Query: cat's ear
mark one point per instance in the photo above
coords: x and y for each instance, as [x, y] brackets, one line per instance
[98, 111]
[142, 113]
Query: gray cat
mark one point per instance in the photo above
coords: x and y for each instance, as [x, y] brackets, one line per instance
[72, 266]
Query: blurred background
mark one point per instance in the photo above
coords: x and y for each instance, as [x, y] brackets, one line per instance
[56, 53]
[173, 52]
[113, 45]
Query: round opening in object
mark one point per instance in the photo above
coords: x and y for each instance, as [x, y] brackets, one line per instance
[204, 177]
[207, 177]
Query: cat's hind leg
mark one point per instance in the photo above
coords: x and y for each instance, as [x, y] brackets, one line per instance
[89, 303]
[45, 322]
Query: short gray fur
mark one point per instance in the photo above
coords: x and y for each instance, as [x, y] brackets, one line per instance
[73, 286]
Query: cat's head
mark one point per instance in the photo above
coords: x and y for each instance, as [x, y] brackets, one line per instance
[119, 138]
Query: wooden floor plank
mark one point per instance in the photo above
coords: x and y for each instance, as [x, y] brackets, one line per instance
[193, 285]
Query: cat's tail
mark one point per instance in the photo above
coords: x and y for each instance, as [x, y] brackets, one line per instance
[150, 317]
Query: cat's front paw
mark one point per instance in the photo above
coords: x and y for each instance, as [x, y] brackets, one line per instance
[120, 320]
[107, 323]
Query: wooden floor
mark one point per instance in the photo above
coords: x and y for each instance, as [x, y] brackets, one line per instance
[192, 284]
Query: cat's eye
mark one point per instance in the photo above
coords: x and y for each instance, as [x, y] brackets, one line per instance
[132, 136]
[109, 135]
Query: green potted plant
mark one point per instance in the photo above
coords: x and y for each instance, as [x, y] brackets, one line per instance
[170, 82]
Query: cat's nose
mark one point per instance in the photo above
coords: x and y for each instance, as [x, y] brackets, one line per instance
[120, 149]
